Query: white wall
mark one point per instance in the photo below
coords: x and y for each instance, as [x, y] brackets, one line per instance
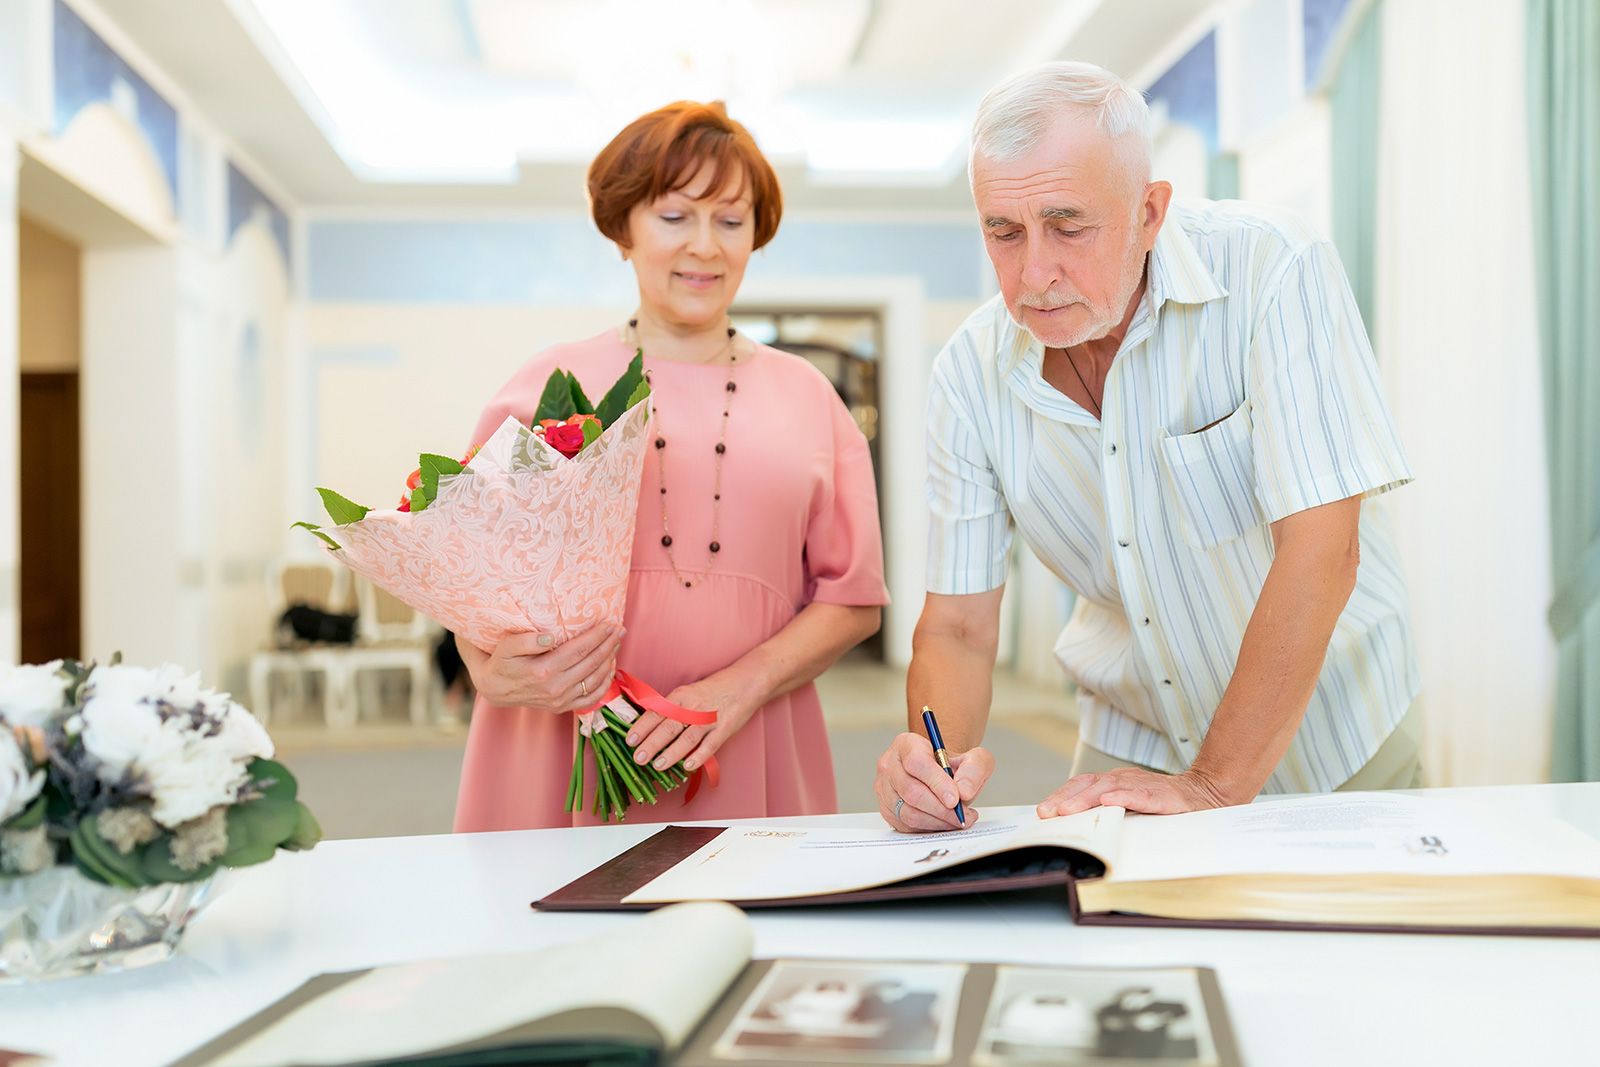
[132, 506]
[1457, 340]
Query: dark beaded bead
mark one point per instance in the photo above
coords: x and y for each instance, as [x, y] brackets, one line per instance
[731, 331]
[661, 442]
[688, 585]
[721, 448]
[733, 387]
[663, 490]
[716, 496]
[633, 322]
[666, 540]
[715, 547]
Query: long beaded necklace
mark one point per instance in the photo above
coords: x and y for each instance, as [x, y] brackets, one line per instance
[721, 451]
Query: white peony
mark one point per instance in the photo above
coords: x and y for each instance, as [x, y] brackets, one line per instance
[18, 786]
[243, 736]
[134, 685]
[119, 733]
[32, 694]
[188, 762]
[189, 783]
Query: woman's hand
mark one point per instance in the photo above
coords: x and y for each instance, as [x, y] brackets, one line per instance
[528, 671]
[666, 742]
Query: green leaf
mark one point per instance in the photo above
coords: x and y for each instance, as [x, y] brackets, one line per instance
[316, 530]
[591, 430]
[30, 816]
[579, 401]
[249, 856]
[615, 402]
[307, 831]
[341, 511]
[433, 467]
[642, 391]
[556, 400]
[260, 823]
[156, 859]
[273, 780]
[100, 857]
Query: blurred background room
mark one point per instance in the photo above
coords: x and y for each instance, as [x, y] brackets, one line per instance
[250, 247]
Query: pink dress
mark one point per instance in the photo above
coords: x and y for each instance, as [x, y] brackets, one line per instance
[798, 523]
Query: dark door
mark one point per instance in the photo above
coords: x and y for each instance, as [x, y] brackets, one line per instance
[51, 623]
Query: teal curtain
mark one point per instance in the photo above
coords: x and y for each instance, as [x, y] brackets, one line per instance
[1353, 103]
[1564, 138]
[1222, 176]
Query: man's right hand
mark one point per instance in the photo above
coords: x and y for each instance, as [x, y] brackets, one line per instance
[527, 671]
[908, 772]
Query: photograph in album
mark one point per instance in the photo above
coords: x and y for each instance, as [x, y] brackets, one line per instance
[531, 532]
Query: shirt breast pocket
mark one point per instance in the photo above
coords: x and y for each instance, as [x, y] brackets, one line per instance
[1210, 477]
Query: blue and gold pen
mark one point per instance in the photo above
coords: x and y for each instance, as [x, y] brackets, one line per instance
[932, 726]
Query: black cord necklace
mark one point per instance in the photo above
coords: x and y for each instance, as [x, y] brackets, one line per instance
[1087, 392]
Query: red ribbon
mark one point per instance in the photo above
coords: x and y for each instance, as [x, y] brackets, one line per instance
[645, 696]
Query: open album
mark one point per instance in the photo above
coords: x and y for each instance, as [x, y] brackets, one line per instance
[584, 1004]
[1371, 861]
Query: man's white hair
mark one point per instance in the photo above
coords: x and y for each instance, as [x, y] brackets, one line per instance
[1015, 115]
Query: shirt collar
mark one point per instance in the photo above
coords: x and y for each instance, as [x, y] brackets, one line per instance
[1177, 273]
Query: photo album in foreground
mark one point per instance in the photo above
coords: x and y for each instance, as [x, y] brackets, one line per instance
[695, 998]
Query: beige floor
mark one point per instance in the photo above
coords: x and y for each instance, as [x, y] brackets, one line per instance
[387, 778]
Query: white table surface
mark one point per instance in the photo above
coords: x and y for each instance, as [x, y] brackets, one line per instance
[1296, 999]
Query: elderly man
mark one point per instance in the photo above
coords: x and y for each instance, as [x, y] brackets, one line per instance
[1180, 412]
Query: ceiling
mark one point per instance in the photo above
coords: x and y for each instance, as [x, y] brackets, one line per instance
[457, 104]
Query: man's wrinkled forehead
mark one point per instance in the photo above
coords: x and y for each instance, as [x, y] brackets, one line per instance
[1075, 167]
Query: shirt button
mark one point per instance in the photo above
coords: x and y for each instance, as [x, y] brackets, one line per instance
[1147, 620]
[1166, 681]
[1183, 740]
[1122, 544]
[1113, 450]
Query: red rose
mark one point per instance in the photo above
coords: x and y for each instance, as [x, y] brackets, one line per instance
[415, 479]
[568, 440]
[404, 505]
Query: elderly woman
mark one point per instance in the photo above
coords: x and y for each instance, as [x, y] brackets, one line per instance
[757, 561]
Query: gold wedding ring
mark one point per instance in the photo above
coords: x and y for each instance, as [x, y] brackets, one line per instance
[583, 687]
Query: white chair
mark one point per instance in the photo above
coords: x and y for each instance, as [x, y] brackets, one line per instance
[324, 585]
[391, 635]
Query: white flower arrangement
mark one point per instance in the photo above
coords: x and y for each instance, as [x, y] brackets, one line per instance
[137, 776]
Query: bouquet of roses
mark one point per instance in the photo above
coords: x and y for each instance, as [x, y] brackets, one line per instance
[137, 777]
[531, 531]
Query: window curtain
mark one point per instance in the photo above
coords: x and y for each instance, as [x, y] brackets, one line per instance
[1564, 137]
[1352, 86]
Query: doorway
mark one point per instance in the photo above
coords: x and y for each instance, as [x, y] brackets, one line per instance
[846, 346]
[49, 487]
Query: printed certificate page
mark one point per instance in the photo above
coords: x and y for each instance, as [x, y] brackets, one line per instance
[1351, 833]
[752, 862]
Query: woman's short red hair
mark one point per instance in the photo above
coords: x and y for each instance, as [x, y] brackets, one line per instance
[662, 151]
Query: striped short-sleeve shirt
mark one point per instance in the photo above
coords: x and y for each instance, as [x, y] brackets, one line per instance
[1244, 391]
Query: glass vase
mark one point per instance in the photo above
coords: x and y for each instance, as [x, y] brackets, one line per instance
[58, 923]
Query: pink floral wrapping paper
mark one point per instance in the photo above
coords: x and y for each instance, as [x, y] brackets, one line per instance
[525, 540]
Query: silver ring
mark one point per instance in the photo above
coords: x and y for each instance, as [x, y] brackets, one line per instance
[899, 802]
[583, 687]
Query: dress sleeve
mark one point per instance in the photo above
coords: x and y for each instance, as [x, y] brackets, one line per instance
[844, 541]
[1321, 430]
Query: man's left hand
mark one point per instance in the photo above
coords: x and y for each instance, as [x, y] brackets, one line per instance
[1136, 790]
